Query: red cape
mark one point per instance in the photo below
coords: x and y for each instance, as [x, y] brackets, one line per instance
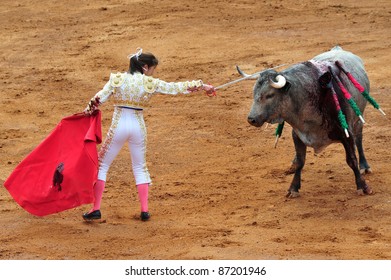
[73, 142]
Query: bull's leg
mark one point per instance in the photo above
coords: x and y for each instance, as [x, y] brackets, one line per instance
[299, 161]
[293, 166]
[351, 159]
[364, 166]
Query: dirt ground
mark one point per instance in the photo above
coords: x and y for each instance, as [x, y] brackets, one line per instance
[218, 183]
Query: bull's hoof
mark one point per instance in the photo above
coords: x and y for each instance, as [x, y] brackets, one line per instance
[360, 192]
[366, 171]
[366, 190]
[292, 194]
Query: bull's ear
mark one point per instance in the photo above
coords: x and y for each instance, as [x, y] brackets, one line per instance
[286, 87]
[325, 80]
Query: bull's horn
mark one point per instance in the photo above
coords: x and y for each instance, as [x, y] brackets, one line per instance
[280, 82]
[248, 76]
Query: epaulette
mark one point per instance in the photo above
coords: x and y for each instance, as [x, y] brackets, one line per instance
[116, 80]
[150, 84]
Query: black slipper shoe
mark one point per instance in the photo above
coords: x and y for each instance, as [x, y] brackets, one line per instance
[94, 215]
[145, 216]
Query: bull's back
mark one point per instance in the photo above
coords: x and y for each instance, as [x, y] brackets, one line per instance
[353, 64]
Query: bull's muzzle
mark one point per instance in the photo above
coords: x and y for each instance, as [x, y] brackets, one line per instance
[253, 121]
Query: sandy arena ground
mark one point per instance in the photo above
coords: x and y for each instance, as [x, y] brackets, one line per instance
[219, 185]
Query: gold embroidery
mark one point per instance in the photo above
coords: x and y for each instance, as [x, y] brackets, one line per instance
[150, 84]
[110, 134]
[116, 80]
[141, 123]
[140, 119]
[136, 90]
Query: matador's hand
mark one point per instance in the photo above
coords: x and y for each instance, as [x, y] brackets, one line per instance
[209, 90]
[92, 106]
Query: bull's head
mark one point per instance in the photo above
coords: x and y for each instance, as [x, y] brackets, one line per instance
[269, 95]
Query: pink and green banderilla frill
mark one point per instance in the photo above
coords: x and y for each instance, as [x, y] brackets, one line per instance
[347, 96]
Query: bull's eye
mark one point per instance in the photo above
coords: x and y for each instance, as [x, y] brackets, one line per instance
[268, 96]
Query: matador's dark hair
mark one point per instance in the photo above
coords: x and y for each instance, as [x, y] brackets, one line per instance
[137, 62]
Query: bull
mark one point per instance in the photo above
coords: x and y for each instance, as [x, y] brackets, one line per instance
[302, 96]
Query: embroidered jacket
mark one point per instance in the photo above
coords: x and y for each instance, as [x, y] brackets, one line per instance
[136, 90]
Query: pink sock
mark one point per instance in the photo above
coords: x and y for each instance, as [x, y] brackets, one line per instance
[143, 196]
[98, 193]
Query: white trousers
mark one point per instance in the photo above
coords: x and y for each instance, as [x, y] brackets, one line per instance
[127, 126]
